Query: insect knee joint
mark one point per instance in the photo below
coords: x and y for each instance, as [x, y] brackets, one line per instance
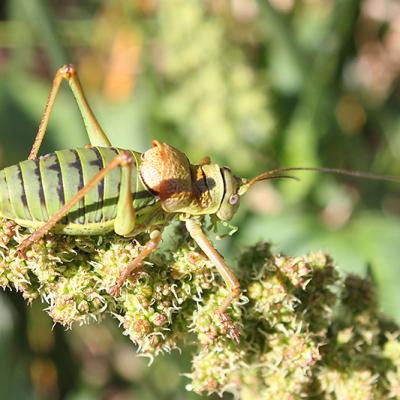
[193, 227]
[235, 291]
[67, 71]
[155, 235]
[125, 158]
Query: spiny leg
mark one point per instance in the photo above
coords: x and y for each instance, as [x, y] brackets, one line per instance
[124, 160]
[137, 263]
[96, 134]
[227, 274]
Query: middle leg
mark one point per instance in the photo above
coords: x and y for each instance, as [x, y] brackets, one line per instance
[137, 263]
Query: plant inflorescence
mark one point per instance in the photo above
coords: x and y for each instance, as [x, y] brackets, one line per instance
[306, 330]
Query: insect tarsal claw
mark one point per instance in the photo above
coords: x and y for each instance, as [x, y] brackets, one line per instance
[115, 291]
[21, 253]
[232, 329]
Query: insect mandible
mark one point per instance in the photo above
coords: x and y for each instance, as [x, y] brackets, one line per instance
[100, 189]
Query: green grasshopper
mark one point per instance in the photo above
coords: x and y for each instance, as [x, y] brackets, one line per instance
[99, 189]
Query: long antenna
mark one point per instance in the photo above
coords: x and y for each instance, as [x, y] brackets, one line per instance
[358, 174]
[295, 178]
[277, 173]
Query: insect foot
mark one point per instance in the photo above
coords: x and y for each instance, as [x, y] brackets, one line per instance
[137, 263]
[115, 291]
[21, 253]
[229, 325]
[24, 246]
[213, 325]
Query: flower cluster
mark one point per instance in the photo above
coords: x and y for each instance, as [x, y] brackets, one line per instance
[305, 330]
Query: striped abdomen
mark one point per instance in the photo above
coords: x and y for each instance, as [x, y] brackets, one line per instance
[34, 190]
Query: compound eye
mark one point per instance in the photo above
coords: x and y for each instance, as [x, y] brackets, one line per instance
[233, 199]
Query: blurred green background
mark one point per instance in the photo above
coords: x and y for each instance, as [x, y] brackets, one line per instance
[253, 84]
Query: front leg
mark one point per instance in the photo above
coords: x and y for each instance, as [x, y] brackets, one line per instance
[227, 274]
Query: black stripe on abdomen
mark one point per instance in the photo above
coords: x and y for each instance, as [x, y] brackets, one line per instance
[38, 175]
[99, 163]
[60, 187]
[42, 199]
[111, 184]
[24, 200]
[77, 165]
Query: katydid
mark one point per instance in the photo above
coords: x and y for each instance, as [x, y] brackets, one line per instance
[100, 189]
